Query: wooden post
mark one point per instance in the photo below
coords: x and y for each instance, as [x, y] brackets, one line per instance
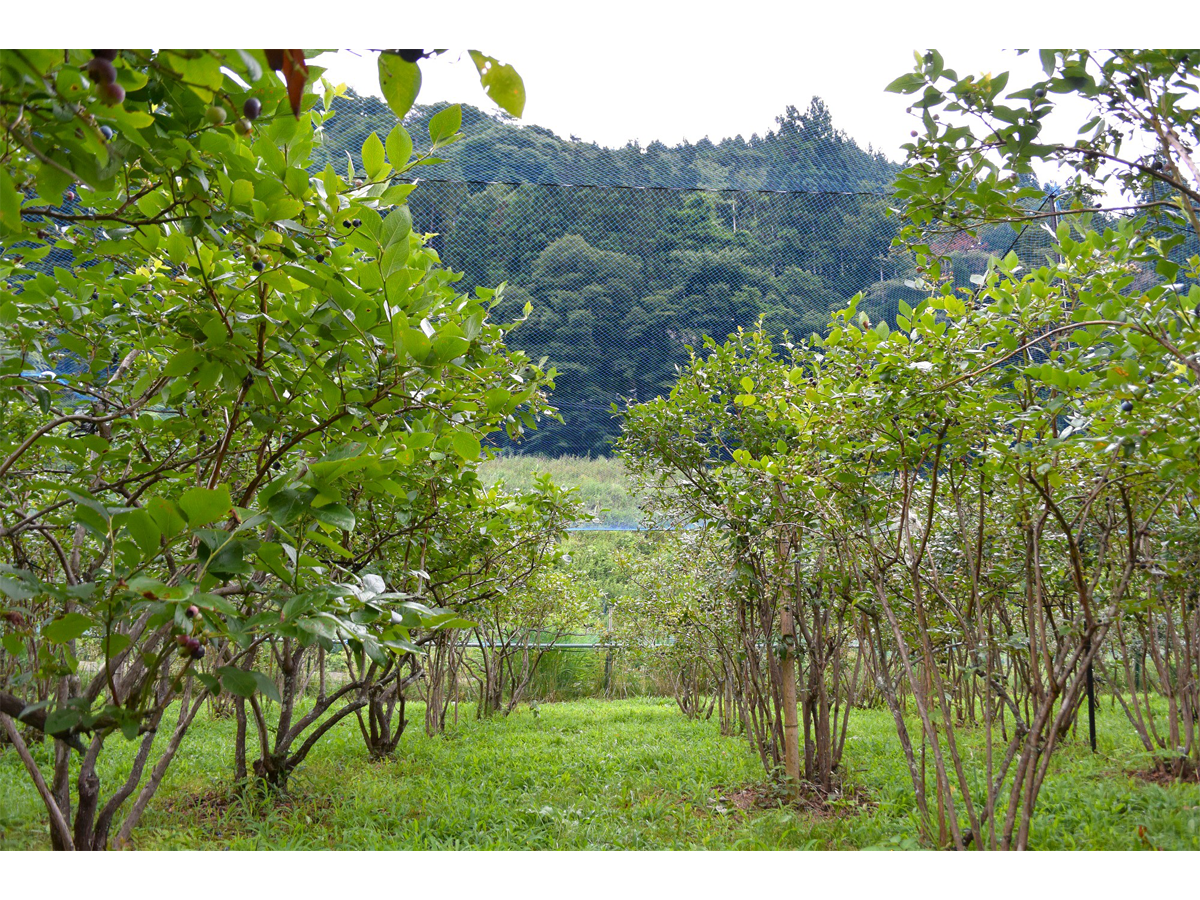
[791, 727]
[787, 626]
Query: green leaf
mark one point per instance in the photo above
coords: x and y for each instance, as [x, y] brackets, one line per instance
[214, 602]
[178, 247]
[145, 533]
[906, 84]
[397, 193]
[114, 644]
[373, 650]
[396, 227]
[501, 82]
[266, 685]
[318, 627]
[317, 537]
[372, 155]
[399, 82]
[447, 346]
[166, 516]
[399, 147]
[466, 445]
[445, 125]
[336, 515]
[288, 504]
[10, 206]
[417, 344]
[83, 499]
[129, 723]
[13, 645]
[66, 628]
[61, 720]
[14, 590]
[241, 193]
[182, 363]
[203, 506]
[237, 681]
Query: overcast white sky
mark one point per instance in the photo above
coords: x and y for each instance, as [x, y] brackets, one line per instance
[670, 93]
[618, 70]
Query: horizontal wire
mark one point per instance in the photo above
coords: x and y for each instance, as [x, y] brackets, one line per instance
[639, 187]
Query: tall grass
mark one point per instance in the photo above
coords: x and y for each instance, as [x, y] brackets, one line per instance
[603, 484]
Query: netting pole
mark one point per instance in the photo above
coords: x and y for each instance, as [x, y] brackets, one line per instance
[1091, 678]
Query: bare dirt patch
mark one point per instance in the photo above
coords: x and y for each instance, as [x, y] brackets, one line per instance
[839, 802]
[214, 805]
[1169, 772]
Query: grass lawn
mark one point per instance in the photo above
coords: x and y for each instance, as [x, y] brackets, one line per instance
[630, 774]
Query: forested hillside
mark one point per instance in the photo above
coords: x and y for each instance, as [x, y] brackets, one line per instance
[805, 152]
[628, 256]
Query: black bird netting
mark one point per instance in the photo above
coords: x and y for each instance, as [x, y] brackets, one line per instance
[622, 278]
[629, 256]
[621, 281]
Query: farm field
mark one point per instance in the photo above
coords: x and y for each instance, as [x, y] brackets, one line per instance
[759, 494]
[631, 774]
[604, 485]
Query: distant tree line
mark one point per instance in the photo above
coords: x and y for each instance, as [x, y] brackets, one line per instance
[628, 256]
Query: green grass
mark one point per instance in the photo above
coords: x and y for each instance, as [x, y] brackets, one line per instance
[602, 481]
[590, 775]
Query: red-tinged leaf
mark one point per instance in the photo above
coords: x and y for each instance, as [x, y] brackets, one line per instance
[295, 70]
[274, 59]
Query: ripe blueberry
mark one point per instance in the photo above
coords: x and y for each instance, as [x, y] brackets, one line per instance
[251, 108]
[257, 265]
[101, 71]
[1127, 406]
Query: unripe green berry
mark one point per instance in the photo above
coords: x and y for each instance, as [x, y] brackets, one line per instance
[110, 94]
